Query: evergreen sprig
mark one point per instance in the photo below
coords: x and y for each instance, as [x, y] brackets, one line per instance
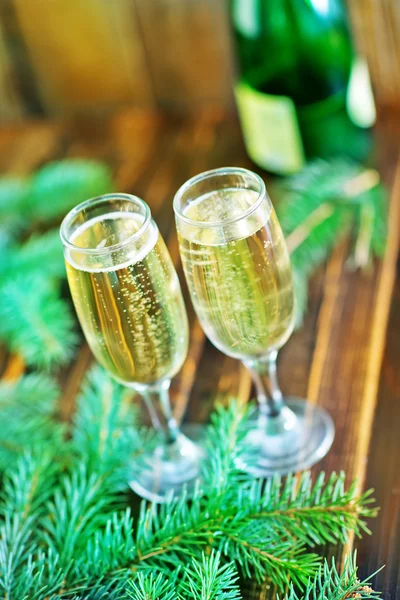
[330, 584]
[50, 193]
[67, 530]
[59, 186]
[28, 418]
[27, 571]
[323, 203]
[35, 321]
[210, 579]
[106, 429]
[39, 253]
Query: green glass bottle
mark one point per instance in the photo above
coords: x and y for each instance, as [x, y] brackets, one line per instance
[302, 92]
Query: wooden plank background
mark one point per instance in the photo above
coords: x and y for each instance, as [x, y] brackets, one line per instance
[77, 56]
[335, 358]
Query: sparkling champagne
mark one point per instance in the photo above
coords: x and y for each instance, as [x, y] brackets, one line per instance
[128, 302]
[238, 272]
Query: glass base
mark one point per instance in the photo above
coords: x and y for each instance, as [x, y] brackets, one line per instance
[293, 441]
[170, 467]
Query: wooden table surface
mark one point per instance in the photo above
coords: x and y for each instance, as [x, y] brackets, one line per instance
[345, 357]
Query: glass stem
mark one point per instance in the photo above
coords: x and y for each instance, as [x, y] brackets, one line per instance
[156, 398]
[265, 379]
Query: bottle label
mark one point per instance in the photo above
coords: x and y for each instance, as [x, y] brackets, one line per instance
[360, 98]
[270, 129]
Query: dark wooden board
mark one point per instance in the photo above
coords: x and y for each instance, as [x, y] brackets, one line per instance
[335, 359]
[173, 54]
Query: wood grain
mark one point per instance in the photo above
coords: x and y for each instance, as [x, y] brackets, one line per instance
[188, 52]
[82, 56]
[383, 473]
[335, 358]
[85, 55]
[11, 108]
[376, 25]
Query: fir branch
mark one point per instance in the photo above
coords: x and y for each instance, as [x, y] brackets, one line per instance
[380, 229]
[299, 197]
[39, 579]
[51, 192]
[106, 433]
[35, 322]
[110, 551]
[153, 587]
[322, 204]
[262, 555]
[59, 186]
[35, 393]
[256, 525]
[225, 443]
[329, 584]
[27, 411]
[81, 505]
[314, 513]
[26, 489]
[112, 590]
[75, 517]
[14, 196]
[40, 254]
[210, 579]
[28, 485]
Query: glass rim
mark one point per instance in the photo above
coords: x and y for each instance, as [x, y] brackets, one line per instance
[96, 200]
[205, 175]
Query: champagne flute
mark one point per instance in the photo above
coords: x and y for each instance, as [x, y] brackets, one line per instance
[129, 303]
[239, 275]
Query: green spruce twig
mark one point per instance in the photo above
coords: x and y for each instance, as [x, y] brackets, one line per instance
[211, 579]
[66, 501]
[321, 205]
[59, 186]
[28, 410]
[330, 584]
[35, 321]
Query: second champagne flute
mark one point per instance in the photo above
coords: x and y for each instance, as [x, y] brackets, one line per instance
[239, 276]
[129, 303]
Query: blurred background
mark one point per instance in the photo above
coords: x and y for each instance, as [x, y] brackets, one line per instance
[74, 57]
[168, 72]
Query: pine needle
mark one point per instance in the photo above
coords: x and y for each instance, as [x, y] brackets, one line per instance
[40, 253]
[26, 490]
[67, 530]
[59, 186]
[330, 584]
[14, 196]
[210, 579]
[105, 431]
[35, 322]
[152, 587]
[28, 409]
[321, 205]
